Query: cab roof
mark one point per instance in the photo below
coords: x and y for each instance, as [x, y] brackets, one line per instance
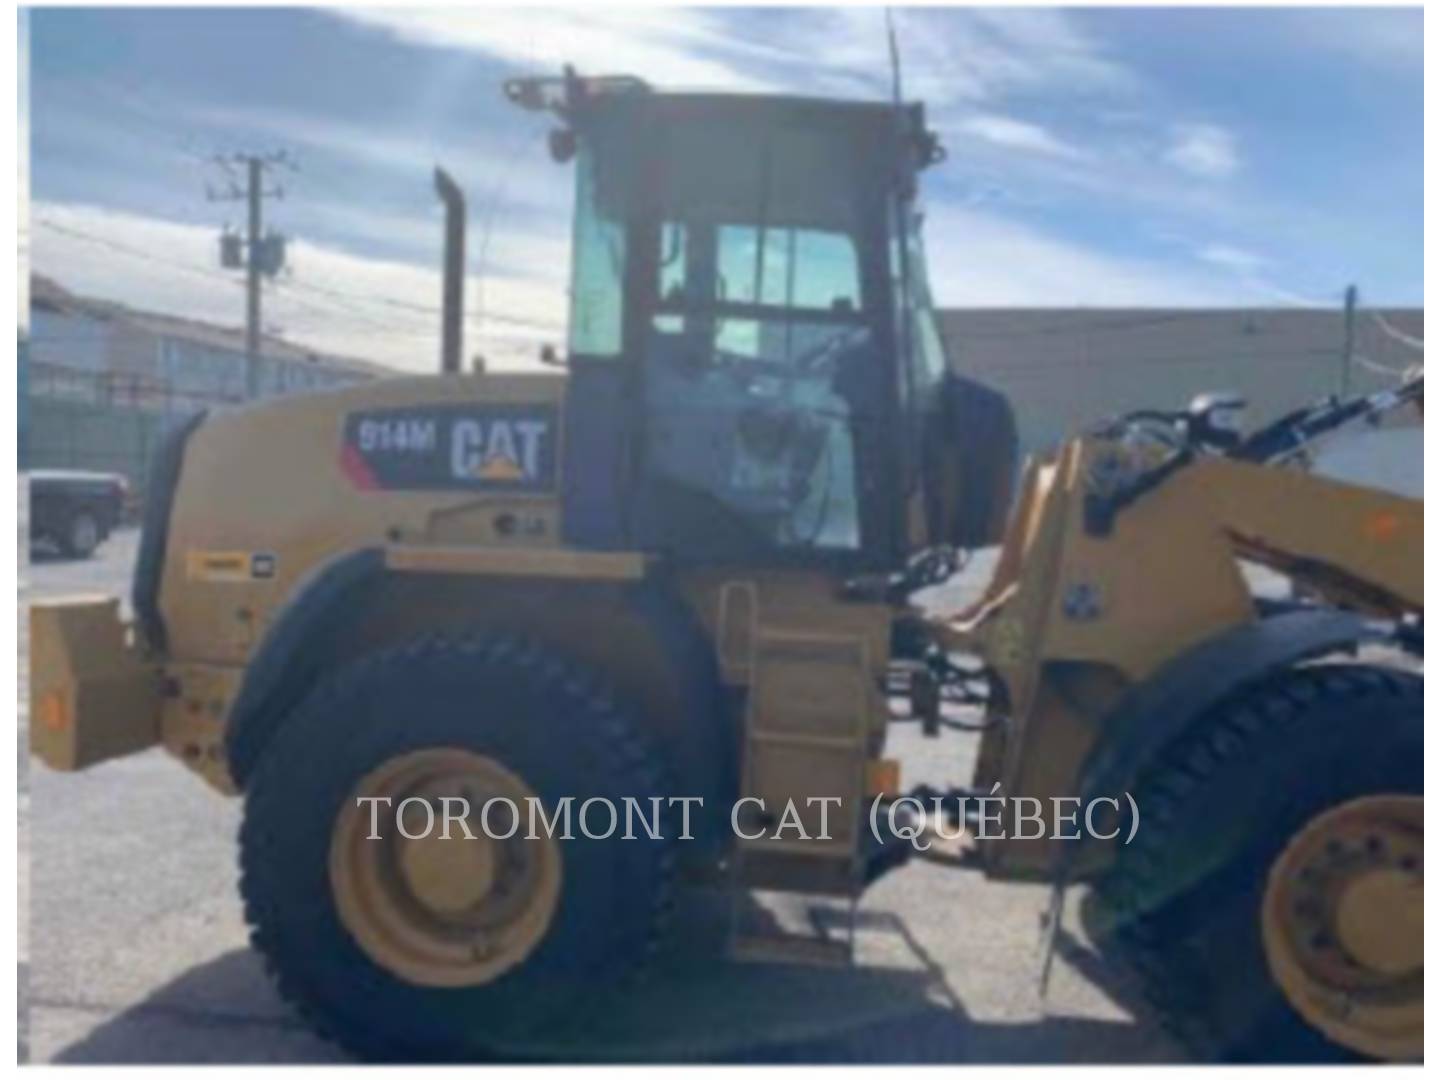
[578, 100]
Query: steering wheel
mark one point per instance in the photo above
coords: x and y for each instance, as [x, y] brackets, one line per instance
[814, 358]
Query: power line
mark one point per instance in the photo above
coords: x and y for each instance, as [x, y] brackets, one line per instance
[125, 249]
[522, 133]
[1076, 328]
[341, 302]
[1390, 331]
[310, 305]
[334, 294]
[425, 309]
[1383, 370]
[1048, 368]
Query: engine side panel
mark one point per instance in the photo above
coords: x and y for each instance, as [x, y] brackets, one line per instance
[267, 494]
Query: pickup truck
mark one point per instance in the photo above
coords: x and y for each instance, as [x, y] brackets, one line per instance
[74, 511]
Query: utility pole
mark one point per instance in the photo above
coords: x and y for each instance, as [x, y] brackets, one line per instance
[263, 255]
[252, 282]
[1352, 296]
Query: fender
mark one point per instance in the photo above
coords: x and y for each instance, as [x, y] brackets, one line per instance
[1154, 713]
[297, 650]
[692, 654]
[282, 667]
[1159, 710]
[155, 531]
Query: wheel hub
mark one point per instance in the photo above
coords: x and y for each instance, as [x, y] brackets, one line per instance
[1342, 922]
[1381, 922]
[448, 875]
[436, 902]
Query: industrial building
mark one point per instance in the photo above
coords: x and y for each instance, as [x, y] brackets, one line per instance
[104, 381]
[1065, 368]
[101, 382]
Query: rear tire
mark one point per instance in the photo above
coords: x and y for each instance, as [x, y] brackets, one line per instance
[542, 718]
[1182, 905]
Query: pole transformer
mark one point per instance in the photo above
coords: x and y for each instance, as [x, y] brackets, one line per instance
[263, 256]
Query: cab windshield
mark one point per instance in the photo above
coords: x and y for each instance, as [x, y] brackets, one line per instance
[758, 244]
[742, 250]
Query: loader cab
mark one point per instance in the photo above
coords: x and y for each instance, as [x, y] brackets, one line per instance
[742, 270]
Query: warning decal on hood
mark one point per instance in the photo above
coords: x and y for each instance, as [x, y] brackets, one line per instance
[451, 447]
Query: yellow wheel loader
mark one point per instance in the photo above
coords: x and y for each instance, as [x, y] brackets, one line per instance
[679, 578]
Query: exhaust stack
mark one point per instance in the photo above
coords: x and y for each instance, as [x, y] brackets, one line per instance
[452, 307]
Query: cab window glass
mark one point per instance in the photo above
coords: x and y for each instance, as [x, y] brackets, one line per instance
[929, 353]
[597, 271]
[808, 269]
[924, 364]
[758, 315]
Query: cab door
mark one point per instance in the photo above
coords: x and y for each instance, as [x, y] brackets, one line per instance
[766, 387]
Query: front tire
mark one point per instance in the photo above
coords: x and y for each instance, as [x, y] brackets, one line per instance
[539, 720]
[1220, 813]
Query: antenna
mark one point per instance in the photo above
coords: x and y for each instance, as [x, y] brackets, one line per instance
[906, 335]
[896, 89]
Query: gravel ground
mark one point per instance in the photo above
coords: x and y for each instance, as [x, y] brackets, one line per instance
[136, 948]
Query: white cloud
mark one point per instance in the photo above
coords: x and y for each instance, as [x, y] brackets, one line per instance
[1252, 272]
[536, 249]
[955, 55]
[1204, 150]
[331, 300]
[1047, 48]
[1012, 134]
[948, 55]
[516, 194]
[351, 305]
[982, 259]
[532, 177]
[1232, 258]
[1391, 38]
[680, 46]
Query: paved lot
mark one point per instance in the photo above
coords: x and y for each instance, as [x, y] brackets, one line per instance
[137, 949]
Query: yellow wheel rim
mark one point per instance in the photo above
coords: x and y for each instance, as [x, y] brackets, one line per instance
[1343, 924]
[435, 910]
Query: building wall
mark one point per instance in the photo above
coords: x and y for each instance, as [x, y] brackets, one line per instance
[103, 391]
[196, 373]
[1064, 369]
[67, 339]
[300, 376]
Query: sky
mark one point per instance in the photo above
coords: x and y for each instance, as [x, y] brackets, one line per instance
[1114, 157]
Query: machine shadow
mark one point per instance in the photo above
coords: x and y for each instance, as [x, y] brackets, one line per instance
[694, 1007]
[221, 1012]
